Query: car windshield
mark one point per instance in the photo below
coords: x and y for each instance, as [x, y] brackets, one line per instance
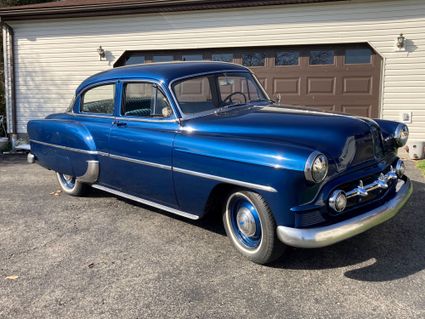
[217, 91]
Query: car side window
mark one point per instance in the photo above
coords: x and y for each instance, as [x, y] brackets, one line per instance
[99, 99]
[143, 99]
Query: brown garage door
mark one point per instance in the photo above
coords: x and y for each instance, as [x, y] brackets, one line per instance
[342, 78]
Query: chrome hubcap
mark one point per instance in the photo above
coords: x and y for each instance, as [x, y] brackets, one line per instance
[67, 181]
[67, 178]
[246, 222]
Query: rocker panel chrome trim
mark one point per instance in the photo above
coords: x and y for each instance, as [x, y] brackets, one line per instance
[331, 234]
[146, 202]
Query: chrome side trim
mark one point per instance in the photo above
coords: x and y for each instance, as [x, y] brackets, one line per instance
[146, 202]
[93, 115]
[226, 180]
[166, 167]
[77, 150]
[91, 174]
[328, 235]
[136, 161]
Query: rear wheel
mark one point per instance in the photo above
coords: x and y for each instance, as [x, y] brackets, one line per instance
[251, 227]
[70, 185]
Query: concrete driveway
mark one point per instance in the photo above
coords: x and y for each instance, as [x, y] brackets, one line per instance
[105, 257]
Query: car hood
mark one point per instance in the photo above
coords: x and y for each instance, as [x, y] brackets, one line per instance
[345, 139]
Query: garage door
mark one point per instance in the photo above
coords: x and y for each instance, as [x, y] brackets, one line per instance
[341, 78]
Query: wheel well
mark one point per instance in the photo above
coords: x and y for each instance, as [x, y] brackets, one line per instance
[217, 197]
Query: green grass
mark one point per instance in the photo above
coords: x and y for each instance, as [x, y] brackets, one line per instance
[421, 166]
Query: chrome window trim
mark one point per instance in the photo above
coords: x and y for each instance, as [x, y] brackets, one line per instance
[201, 114]
[94, 115]
[172, 118]
[146, 202]
[80, 95]
[166, 167]
[81, 91]
[131, 119]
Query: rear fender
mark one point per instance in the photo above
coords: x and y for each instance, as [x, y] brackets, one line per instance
[64, 146]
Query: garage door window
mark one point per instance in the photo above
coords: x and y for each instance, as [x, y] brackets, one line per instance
[162, 58]
[320, 57]
[135, 59]
[287, 58]
[357, 56]
[192, 57]
[238, 89]
[253, 59]
[224, 57]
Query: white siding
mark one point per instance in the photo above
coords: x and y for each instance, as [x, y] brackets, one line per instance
[54, 56]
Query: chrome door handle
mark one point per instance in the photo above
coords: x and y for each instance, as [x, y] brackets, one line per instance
[119, 124]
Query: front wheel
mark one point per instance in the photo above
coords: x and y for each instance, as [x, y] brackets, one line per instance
[251, 227]
[70, 185]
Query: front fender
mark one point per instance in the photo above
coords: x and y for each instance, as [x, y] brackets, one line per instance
[202, 163]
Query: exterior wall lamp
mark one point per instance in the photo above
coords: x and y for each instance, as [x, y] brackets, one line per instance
[102, 53]
[401, 41]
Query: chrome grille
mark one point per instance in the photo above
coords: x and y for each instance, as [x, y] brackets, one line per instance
[381, 183]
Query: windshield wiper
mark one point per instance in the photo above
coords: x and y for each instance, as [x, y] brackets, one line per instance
[262, 100]
[233, 105]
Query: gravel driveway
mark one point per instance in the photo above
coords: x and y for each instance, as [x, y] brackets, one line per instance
[105, 257]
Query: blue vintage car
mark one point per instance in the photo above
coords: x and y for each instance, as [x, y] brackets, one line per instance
[194, 138]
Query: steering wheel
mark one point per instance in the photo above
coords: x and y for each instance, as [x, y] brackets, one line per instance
[229, 97]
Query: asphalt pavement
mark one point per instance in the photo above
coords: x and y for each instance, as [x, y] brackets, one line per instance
[105, 257]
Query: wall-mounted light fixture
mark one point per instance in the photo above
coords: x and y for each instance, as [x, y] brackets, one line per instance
[401, 41]
[102, 53]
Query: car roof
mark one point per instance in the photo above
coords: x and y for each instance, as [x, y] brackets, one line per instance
[163, 72]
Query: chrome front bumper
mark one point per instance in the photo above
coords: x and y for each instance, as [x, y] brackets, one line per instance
[331, 234]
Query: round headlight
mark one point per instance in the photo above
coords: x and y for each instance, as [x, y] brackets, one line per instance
[400, 168]
[401, 135]
[338, 201]
[316, 167]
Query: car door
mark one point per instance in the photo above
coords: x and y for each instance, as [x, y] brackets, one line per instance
[141, 141]
[95, 108]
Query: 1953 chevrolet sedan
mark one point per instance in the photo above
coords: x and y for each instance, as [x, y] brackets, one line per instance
[193, 138]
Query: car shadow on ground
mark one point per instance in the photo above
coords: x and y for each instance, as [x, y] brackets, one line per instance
[393, 250]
